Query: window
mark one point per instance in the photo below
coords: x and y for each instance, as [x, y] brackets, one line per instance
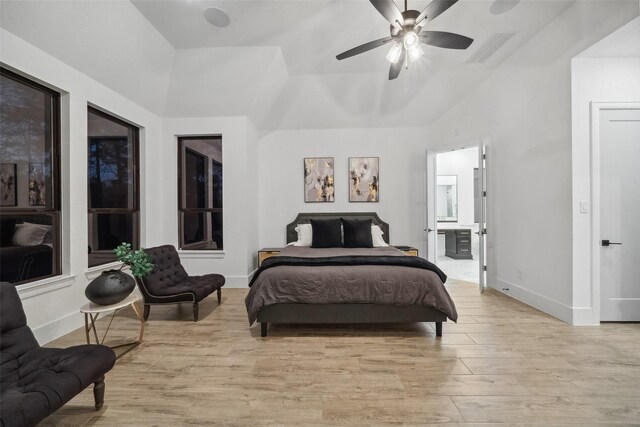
[113, 186]
[200, 192]
[29, 180]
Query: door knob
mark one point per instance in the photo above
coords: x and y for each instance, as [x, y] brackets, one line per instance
[608, 243]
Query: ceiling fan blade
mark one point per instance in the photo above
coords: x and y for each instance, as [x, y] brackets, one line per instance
[435, 8]
[364, 48]
[394, 70]
[445, 40]
[389, 10]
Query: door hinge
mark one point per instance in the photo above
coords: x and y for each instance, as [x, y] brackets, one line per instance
[484, 156]
[484, 194]
[484, 268]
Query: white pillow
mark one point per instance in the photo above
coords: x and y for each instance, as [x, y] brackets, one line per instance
[376, 237]
[28, 234]
[304, 235]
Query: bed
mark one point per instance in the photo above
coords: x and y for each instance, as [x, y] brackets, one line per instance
[347, 285]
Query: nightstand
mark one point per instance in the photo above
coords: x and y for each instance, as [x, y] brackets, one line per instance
[409, 250]
[265, 253]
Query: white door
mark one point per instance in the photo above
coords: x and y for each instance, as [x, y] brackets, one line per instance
[431, 232]
[620, 215]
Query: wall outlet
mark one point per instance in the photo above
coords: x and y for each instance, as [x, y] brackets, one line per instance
[519, 274]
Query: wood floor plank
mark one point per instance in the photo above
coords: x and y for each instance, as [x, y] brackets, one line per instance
[540, 409]
[504, 364]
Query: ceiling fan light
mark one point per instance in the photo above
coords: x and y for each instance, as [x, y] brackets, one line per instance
[415, 52]
[410, 39]
[394, 53]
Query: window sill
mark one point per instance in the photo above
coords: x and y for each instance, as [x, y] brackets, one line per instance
[50, 284]
[201, 254]
[93, 272]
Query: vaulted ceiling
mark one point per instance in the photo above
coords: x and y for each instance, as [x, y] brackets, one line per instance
[275, 62]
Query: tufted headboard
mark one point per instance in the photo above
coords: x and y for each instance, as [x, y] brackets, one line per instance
[305, 218]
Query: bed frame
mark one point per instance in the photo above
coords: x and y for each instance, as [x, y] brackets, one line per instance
[345, 313]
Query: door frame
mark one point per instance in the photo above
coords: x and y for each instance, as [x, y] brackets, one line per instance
[431, 173]
[596, 109]
[431, 223]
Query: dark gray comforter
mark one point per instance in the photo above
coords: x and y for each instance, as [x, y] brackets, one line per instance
[354, 284]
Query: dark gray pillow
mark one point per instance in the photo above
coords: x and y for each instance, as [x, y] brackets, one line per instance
[357, 233]
[326, 233]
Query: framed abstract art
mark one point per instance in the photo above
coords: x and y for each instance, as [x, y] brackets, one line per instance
[37, 184]
[364, 179]
[318, 180]
[8, 184]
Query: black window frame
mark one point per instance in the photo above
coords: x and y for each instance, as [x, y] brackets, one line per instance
[102, 257]
[182, 210]
[54, 210]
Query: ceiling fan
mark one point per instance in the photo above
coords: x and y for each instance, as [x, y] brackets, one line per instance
[407, 34]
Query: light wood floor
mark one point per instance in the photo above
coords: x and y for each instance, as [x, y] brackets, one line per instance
[504, 362]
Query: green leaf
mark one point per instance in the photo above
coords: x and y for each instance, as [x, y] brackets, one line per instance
[139, 260]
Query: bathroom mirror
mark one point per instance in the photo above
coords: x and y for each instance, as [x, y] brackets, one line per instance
[447, 198]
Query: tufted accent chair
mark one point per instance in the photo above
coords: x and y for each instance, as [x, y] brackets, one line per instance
[169, 283]
[37, 381]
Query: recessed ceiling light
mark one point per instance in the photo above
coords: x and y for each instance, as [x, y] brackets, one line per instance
[498, 7]
[217, 17]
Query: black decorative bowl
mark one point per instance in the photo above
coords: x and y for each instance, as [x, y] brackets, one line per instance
[110, 287]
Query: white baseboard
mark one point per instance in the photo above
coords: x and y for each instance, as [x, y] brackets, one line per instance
[236, 282]
[584, 316]
[542, 303]
[59, 327]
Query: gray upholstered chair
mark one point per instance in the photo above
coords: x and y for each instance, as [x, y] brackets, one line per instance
[169, 283]
[36, 381]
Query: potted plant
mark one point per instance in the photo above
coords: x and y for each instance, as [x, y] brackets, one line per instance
[112, 286]
[139, 261]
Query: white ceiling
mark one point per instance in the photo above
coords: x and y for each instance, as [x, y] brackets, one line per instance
[312, 32]
[276, 61]
[621, 44]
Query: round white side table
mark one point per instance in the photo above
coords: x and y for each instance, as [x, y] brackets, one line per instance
[92, 311]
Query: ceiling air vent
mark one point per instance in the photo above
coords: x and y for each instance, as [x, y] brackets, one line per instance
[493, 43]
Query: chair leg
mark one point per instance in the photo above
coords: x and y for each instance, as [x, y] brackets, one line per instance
[98, 392]
[147, 309]
[195, 311]
[219, 296]
[263, 329]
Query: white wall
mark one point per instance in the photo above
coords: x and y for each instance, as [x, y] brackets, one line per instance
[461, 164]
[525, 107]
[595, 80]
[239, 196]
[402, 176]
[52, 305]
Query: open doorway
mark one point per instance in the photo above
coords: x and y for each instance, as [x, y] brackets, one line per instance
[458, 205]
